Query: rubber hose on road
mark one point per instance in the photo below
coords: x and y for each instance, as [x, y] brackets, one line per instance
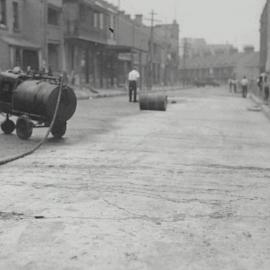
[8, 160]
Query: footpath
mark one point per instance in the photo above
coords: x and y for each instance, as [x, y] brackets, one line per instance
[90, 93]
[262, 105]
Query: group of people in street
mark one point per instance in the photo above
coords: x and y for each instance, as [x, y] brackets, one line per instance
[262, 84]
[233, 85]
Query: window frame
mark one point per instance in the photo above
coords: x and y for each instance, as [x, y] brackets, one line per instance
[16, 18]
[56, 11]
[3, 12]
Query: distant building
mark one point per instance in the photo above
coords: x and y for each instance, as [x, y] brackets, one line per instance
[134, 41]
[222, 66]
[222, 49]
[198, 47]
[168, 39]
[132, 47]
[193, 47]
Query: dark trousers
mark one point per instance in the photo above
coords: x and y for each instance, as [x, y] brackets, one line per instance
[244, 91]
[266, 93]
[132, 87]
[234, 87]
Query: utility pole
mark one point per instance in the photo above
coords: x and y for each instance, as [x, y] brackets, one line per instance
[151, 50]
[185, 56]
[151, 43]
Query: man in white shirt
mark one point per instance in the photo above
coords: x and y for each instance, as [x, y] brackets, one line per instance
[244, 85]
[133, 77]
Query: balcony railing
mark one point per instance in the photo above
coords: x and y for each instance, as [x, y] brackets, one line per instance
[80, 30]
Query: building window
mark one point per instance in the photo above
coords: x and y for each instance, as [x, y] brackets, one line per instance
[15, 16]
[53, 57]
[83, 13]
[17, 57]
[96, 20]
[112, 26]
[101, 21]
[3, 17]
[53, 16]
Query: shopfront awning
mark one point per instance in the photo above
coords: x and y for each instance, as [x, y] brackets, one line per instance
[123, 49]
[119, 48]
[20, 42]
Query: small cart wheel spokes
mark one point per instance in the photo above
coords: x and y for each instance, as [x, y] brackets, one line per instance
[8, 126]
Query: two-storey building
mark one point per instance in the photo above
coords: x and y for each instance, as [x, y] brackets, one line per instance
[89, 33]
[43, 25]
[31, 34]
[166, 68]
[93, 41]
[16, 49]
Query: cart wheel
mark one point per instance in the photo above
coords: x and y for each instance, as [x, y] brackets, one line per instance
[59, 129]
[8, 126]
[24, 127]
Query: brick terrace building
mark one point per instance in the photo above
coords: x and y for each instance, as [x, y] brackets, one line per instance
[88, 41]
[222, 66]
[31, 34]
[16, 49]
[93, 41]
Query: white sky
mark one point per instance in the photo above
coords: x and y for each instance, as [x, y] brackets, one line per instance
[218, 21]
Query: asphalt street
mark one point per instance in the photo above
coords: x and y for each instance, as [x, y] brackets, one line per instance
[183, 189]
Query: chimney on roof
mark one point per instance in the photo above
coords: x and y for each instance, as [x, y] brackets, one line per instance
[139, 19]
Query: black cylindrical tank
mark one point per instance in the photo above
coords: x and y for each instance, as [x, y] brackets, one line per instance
[39, 98]
[154, 102]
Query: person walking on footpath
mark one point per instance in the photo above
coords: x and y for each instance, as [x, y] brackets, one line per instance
[133, 77]
[266, 88]
[260, 82]
[230, 84]
[244, 85]
[234, 85]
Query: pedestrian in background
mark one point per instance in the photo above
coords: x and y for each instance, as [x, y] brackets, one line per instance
[234, 85]
[133, 77]
[230, 84]
[244, 86]
[260, 82]
[266, 88]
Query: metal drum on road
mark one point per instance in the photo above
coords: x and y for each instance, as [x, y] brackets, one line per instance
[152, 101]
[39, 98]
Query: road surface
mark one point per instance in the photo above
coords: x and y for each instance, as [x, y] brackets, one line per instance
[183, 189]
